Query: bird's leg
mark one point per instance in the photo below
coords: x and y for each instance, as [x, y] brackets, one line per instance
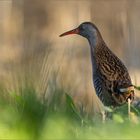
[129, 101]
[103, 116]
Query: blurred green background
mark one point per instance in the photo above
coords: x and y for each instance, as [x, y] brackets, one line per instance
[46, 85]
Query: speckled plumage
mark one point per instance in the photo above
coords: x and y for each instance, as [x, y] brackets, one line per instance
[110, 76]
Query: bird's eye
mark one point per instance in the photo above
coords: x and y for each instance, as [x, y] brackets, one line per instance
[81, 28]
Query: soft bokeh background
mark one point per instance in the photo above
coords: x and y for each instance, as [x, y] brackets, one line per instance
[32, 53]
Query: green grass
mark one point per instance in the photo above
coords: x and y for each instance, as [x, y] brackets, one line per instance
[25, 116]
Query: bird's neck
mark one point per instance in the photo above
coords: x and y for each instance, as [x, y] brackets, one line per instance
[95, 46]
[95, 40]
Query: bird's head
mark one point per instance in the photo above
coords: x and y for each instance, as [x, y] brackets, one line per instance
[86, 29]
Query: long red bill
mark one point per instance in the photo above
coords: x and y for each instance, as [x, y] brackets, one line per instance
[74, 31]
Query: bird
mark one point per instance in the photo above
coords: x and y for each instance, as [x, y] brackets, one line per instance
[111, 79]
